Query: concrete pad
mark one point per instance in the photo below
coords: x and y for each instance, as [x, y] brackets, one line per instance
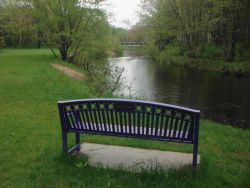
[109, 156]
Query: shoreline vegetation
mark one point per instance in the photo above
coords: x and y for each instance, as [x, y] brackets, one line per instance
[30, 136]
[209, 35]
[212, 60]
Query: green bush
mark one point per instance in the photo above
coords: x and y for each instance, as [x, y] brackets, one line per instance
[118, 51]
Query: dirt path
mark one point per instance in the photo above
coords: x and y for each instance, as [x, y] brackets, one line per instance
[70, 72]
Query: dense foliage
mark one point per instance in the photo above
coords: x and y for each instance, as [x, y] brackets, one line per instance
[79, 29]
[194, 25]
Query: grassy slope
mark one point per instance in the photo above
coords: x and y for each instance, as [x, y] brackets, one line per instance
[30, 149]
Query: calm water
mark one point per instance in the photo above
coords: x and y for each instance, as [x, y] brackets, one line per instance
[221, 98]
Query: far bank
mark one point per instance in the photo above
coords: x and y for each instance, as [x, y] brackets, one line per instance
[211, 59]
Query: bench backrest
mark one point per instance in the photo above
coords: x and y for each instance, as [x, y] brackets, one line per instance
[130, 118]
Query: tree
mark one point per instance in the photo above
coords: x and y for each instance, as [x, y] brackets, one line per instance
[17, 23]
[230, 21]
[66, 24]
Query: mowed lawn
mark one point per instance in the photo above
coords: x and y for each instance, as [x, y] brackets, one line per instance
[30, 137]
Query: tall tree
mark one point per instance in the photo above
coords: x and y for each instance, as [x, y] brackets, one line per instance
[230, 21]
[66, 24]
[17, 22]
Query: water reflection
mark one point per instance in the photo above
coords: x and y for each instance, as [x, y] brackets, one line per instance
[219, 97]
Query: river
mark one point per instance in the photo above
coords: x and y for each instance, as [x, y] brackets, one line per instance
[221, 98]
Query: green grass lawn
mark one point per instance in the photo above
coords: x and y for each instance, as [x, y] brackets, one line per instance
[30, 137]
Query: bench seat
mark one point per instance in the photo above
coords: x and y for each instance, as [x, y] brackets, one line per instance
[126, 130]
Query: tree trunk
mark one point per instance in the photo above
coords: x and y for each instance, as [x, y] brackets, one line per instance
[64, 52]
[20, 38]
[63, 45]
[229, 52]
[39, 42]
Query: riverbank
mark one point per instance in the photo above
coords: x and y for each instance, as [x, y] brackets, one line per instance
[30, 136]
[211, 59]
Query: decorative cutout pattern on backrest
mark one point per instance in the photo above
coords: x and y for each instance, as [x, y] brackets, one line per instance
[130, 118]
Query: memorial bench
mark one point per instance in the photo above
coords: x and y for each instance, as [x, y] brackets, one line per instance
[129, 118]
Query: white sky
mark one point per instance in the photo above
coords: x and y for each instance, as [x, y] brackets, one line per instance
[122, 10]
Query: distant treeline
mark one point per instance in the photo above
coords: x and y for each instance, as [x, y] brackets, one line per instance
[78, 29]
[195, 24]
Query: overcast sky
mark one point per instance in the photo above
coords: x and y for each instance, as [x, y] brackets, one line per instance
[122, 10]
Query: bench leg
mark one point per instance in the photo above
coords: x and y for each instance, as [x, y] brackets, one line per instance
[78, 142]
[195, 156]
[64, 142]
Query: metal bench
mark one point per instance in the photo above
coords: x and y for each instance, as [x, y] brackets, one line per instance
[129, 118]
